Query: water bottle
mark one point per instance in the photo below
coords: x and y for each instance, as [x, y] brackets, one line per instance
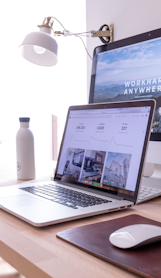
[25, 151]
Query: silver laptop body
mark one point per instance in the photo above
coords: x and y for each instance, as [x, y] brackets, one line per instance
[99, 166]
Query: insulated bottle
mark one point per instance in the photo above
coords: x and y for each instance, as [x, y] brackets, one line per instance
[25, 151]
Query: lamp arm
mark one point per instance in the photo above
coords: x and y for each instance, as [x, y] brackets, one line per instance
[68, 33]
[108, 33]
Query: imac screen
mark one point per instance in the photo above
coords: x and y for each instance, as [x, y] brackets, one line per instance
[129, 69]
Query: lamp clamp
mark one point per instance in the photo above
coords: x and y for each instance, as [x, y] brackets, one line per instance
[105, 35]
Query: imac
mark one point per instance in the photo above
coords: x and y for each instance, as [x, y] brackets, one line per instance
[130, 69]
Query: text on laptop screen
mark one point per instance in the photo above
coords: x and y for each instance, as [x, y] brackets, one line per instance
[132, 72]
[103, 147]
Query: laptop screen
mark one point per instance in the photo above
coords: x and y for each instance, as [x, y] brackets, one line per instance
[102, 147]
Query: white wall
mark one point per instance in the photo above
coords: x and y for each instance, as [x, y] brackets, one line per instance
[28, 90]
[130, 17]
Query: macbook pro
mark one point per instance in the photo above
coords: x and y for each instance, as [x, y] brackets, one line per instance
[99, 167]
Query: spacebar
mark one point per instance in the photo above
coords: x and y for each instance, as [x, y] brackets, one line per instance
[43, 195]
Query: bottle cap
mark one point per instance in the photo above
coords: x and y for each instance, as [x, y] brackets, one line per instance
[24, 120]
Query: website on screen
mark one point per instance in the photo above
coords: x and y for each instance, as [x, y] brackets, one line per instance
[101, 149]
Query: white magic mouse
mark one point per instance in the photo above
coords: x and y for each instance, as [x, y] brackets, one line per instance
[135, 236]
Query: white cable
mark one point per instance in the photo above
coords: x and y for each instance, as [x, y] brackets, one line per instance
[58, 21]
[82, 33]
[85, 47]
[74, 34]
[77, 34]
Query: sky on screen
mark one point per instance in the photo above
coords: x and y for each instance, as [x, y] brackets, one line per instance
[139, 61]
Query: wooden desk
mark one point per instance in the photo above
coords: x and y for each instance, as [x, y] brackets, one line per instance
[37, 253]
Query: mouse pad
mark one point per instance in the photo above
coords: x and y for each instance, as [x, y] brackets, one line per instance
[94, 239]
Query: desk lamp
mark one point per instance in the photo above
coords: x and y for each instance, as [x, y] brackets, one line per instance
[41, 48]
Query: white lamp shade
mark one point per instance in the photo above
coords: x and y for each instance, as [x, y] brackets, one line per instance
[47, 57]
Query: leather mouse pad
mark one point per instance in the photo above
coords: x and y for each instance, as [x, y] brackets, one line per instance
[94, 239]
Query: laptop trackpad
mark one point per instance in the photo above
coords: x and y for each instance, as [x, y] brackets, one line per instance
[19, 201]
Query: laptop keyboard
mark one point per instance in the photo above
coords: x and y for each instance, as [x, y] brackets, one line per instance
[65, 196]
[147, 193]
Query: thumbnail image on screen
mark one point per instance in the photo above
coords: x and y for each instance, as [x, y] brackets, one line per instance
[93, 165]
[73, 163]
[116, 169]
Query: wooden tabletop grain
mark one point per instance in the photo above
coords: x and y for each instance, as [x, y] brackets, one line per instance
[37, 253]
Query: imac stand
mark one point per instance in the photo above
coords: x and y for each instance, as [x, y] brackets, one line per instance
[152, 168]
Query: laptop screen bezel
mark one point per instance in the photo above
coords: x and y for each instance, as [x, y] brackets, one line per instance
[118, 44]
[142, 103]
